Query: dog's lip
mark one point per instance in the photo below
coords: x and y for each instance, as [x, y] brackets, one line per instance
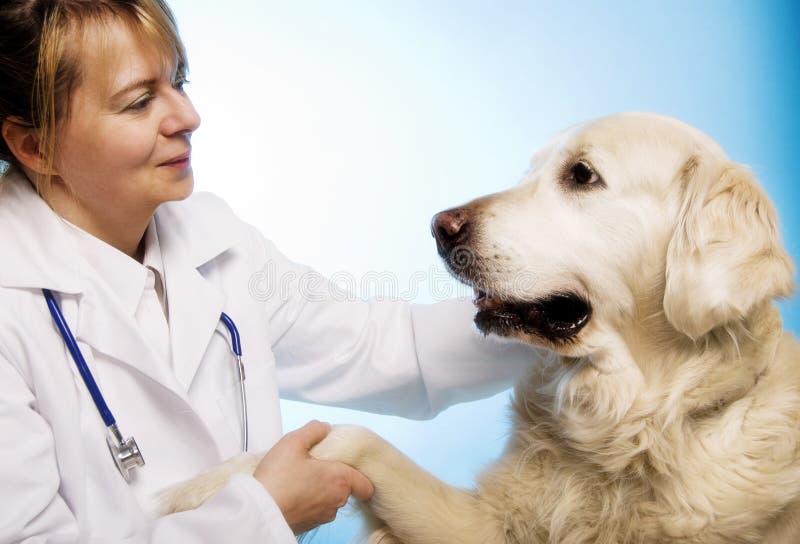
[557, 316]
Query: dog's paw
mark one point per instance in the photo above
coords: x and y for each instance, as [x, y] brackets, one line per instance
[349, 444]
[190, 494]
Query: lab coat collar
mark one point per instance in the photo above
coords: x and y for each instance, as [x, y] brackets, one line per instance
[39, 254]
[43, 256]
[197, 229]
[152, 259]
[123, 274]
[36, 250]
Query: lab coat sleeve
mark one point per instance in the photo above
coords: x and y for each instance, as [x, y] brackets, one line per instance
[241, 512]
[385, 356]
[33, 510]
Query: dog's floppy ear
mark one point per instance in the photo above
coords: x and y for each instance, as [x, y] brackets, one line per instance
[725, 255]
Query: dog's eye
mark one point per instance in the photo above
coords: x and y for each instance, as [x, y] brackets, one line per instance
[583, 174]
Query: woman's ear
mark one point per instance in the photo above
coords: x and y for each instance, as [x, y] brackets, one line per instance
[725, 255]
[24, 143]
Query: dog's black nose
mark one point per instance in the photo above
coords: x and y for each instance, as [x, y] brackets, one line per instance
[450, 228]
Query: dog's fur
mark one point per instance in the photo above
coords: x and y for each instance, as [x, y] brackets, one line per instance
[673, 413]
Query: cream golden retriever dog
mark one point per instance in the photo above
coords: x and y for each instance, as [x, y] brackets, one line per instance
[647, 263]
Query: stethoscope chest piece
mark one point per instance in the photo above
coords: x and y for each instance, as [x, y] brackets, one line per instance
[124, 451]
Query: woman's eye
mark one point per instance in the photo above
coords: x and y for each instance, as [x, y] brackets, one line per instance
[583, 174]
[140, 104]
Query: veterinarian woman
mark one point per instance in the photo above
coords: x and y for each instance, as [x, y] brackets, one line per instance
[102, 241]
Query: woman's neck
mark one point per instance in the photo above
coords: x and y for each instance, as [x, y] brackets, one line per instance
[120, 228]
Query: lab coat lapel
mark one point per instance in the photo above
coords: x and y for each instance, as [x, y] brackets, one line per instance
[106, 327]
[190, 237]
[195, 306]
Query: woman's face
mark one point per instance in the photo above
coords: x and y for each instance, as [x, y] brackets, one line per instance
[125, 145]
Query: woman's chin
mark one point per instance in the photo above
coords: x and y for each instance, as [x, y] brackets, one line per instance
[179, 189]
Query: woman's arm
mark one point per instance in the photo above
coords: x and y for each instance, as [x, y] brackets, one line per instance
[384, 356]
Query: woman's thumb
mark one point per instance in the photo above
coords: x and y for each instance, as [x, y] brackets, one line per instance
[311, 433]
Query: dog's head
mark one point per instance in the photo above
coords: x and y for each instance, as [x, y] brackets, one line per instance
[618, 220]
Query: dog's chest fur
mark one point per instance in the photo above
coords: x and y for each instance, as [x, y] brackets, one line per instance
[708, 475]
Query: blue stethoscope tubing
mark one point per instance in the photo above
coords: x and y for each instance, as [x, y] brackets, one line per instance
[125, 451]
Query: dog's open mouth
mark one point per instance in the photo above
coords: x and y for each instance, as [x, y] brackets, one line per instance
[559, 316]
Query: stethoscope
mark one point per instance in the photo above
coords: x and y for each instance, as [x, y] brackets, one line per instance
[125, 451]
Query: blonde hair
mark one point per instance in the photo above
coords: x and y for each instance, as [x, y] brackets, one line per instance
[37, 79]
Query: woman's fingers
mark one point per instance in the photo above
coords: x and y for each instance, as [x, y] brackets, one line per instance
[314, 432]
[307, 490]
[311, 433]
[360, 487]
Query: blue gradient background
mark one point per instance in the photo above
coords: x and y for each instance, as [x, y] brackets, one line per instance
[340, 128]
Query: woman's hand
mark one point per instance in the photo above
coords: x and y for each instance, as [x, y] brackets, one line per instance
[308, 491]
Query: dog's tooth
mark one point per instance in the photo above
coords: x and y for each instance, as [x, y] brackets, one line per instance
[488, 302]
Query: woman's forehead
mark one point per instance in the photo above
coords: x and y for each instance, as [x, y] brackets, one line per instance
[113, 53]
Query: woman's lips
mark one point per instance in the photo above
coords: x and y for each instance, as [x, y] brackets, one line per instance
[180, 162]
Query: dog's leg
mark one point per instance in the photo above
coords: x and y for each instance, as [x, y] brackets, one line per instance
[416, 507]
[383, 536]
[192, 493]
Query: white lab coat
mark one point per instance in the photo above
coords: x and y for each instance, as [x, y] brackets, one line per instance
[57, 480]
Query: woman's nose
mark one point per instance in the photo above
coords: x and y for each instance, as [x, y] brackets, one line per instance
[181, 118]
